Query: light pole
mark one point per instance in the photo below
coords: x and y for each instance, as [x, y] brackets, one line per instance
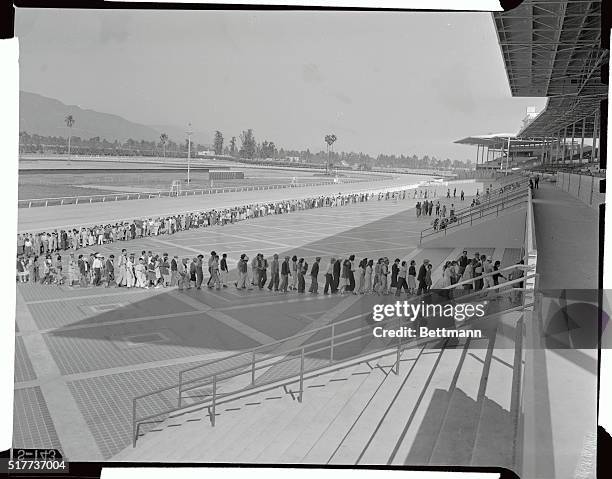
[189, 133]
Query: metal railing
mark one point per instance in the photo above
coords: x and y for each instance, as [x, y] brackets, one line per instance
[284, 362]
[87, 199]
[484, 210]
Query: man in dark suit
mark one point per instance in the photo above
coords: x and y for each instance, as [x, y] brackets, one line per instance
[314, 277]
[110, 270]
[336, 274]
[285, 270]
[421, 277]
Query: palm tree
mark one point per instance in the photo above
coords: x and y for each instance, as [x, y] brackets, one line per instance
[164, 139]
[329, 139]
[69, 123]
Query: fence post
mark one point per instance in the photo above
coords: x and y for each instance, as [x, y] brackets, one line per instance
[301, 375]
[134, 427]
[397, 359]
[214, 401]
[592, 186]
[253, 369]
[331, 353]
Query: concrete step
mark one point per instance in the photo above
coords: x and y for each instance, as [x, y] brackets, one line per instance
[419, 433]
[316, 399]
[377, 448]
[458, 430]
[365, 424]
[324, 447]
[311, 433]
[248, 439]
[496, 427]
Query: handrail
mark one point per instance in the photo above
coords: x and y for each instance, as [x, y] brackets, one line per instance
[330, 342]
[485, 275]
[505, 203]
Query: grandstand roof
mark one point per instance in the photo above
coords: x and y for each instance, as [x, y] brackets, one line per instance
[552, 48]
[496, 141]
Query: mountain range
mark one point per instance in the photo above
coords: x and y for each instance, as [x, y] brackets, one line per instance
[45, 116]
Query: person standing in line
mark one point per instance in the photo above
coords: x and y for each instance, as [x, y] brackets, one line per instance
[223, 271]
[329, 277]
[174, 276]
[121, 269]
[214, 272]
[314, 276]
[362, 271]
[255, 271]
[97, 270]
[462, 195]
[110, 271]
[274, 273]
[336, 273]
[130, 273]
[401, 279]
[164, 270]
[182, 270]
[193, 272]
[211, 259]
[394, 272]
[487, 270]
[496, 274]
[428, 280]
[241, 266]
[301, 272]
[351, 274]
[368, 276]
[463, 262]
[384, 272]
[285, 271]
[294, 273]
[421, 278]
[199, 271]
[263, 271]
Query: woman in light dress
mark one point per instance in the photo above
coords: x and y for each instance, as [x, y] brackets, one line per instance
[294, 273]
[130, 277]
[362, 272]
[468, 274]
[141, 274]
[343, 283]
[447, 274]
[368, 277]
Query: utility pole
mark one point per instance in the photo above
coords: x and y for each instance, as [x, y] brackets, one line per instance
[189, 133]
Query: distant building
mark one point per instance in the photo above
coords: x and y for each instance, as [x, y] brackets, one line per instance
[207, 153]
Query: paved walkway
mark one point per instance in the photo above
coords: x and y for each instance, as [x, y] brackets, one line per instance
[567, 235]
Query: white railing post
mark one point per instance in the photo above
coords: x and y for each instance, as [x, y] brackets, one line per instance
[253, 369]
[301, 375]
[331, 348]
[214, 401]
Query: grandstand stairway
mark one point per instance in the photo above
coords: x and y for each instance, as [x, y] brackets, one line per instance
[452, 402]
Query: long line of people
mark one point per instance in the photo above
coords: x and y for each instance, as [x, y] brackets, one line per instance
[341, 275]
[57, 240]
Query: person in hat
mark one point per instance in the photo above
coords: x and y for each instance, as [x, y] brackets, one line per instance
[274, 273]
[242, 267]
[97, 270]
[174, 276]
[223, 270]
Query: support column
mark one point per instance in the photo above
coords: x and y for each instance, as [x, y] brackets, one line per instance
[582, 140]
[571, 155]
[595, 150]
[550, 159]
[563, 145]
[477, 151]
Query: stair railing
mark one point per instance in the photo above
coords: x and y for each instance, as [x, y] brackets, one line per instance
[209, 390]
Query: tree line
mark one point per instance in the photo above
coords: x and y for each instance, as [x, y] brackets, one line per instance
[244, 147]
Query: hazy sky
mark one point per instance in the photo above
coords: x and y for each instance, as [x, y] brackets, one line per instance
[382, 82]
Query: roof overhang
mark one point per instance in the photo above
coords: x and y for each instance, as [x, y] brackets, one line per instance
[553, 49]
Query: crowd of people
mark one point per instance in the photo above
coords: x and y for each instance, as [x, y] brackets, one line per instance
[57, 240]
[40, 260]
